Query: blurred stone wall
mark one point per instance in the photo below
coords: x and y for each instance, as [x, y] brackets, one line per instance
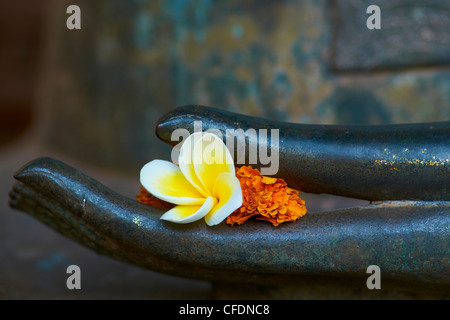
[104, 87]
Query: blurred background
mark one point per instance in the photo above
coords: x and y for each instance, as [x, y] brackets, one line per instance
[91, 98]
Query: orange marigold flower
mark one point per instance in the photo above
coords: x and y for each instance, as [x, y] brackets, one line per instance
[266, 198]
[146, 197]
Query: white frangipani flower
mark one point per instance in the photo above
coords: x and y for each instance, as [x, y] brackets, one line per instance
[203, 185]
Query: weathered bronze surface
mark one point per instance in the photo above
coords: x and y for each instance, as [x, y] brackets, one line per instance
[385, 162]
[407, 239]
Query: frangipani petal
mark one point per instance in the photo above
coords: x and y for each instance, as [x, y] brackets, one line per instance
[186, 164]
[227, 190]
[165, 181]
[211, 158]
[187, 214]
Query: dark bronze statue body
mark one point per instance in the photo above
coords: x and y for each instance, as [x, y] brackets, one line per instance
[403, 169]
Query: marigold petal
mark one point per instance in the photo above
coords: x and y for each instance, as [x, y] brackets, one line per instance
[268, 180]
[239, 217]
[266, 198]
